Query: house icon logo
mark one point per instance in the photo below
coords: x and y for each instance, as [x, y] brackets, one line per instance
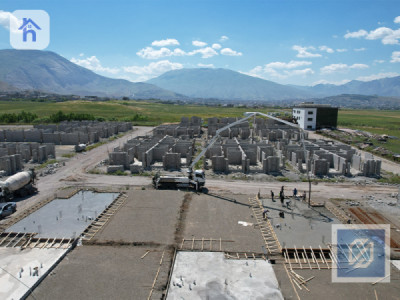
[28, 27]
[31, 31]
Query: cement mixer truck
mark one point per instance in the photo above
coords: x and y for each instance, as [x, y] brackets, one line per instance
[21, 184]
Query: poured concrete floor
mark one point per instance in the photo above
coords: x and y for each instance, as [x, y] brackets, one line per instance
[14, 284]
[301, 225]
[208, 275]
[65, 218]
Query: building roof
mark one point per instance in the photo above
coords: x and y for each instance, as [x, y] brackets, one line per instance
[312, 105]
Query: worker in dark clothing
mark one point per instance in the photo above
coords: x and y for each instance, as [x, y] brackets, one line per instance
[282, 214]
[294, 193]
[282, 197]
[272, 196]
[304, 196]
[265, 213]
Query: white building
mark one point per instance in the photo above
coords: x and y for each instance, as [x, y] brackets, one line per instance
[306, 117]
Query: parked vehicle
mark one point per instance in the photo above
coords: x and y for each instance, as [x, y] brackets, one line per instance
[7, 209]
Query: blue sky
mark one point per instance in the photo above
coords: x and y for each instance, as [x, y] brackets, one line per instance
[289, 42]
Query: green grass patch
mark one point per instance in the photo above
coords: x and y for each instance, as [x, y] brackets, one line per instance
[45, 164]
[390, 178]
[68, 155]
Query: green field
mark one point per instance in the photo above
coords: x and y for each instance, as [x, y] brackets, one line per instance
[156, 113]
[376, 122]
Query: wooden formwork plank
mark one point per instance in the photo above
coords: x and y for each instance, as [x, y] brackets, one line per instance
[9, 242]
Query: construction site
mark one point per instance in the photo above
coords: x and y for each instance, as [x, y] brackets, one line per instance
[224, 208]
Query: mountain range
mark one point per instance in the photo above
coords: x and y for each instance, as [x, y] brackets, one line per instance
[49, 72]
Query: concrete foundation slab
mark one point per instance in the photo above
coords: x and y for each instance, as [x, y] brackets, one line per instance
[18, 266]
[301, 225]
[208, 275]
[65, 218]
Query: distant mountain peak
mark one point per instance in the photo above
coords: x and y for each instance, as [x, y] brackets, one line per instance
[50, 72]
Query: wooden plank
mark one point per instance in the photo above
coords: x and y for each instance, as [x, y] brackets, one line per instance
[313, 255]
[291, 281]
[143, 256]
[183, 240]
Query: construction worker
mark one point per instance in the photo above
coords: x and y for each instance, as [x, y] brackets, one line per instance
[304, 196]
[282, 197]
[272, 196]
[265, 213]
[294, 193]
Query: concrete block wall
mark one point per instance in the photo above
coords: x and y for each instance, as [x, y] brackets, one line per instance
[119, 158]
[320, 167]
[69, 138]
[15, 136]
[33, 135]
[220, 164]
[172, 161]
[234, 156]
[271, 164]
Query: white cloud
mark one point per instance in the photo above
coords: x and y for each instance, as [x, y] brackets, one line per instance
[387, 35]
[205, 65]
[303, 53]
[199, 43]
[151, 53]
[341, 68]
[7, 17]
[341, 50]
[323, 81]
[216, 46]
[230, 52]
[206, 52]
[397, 19]
[290, 65]
[379, 61]
[360, 49]
[378, 76]
[166, 42]
[223, 38]
[92, 63]
[287, 69]
[395, 57]
[81, 54]
[304, 72]
[326, 48]
[153, 69]
[356, 34]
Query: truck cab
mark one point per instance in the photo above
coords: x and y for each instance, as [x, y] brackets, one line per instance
[199, 177]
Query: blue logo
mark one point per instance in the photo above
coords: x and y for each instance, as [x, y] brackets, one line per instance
[30, 29]
[28, 26]
[361, 253]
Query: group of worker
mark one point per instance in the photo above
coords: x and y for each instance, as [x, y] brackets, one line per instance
[282, 199]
